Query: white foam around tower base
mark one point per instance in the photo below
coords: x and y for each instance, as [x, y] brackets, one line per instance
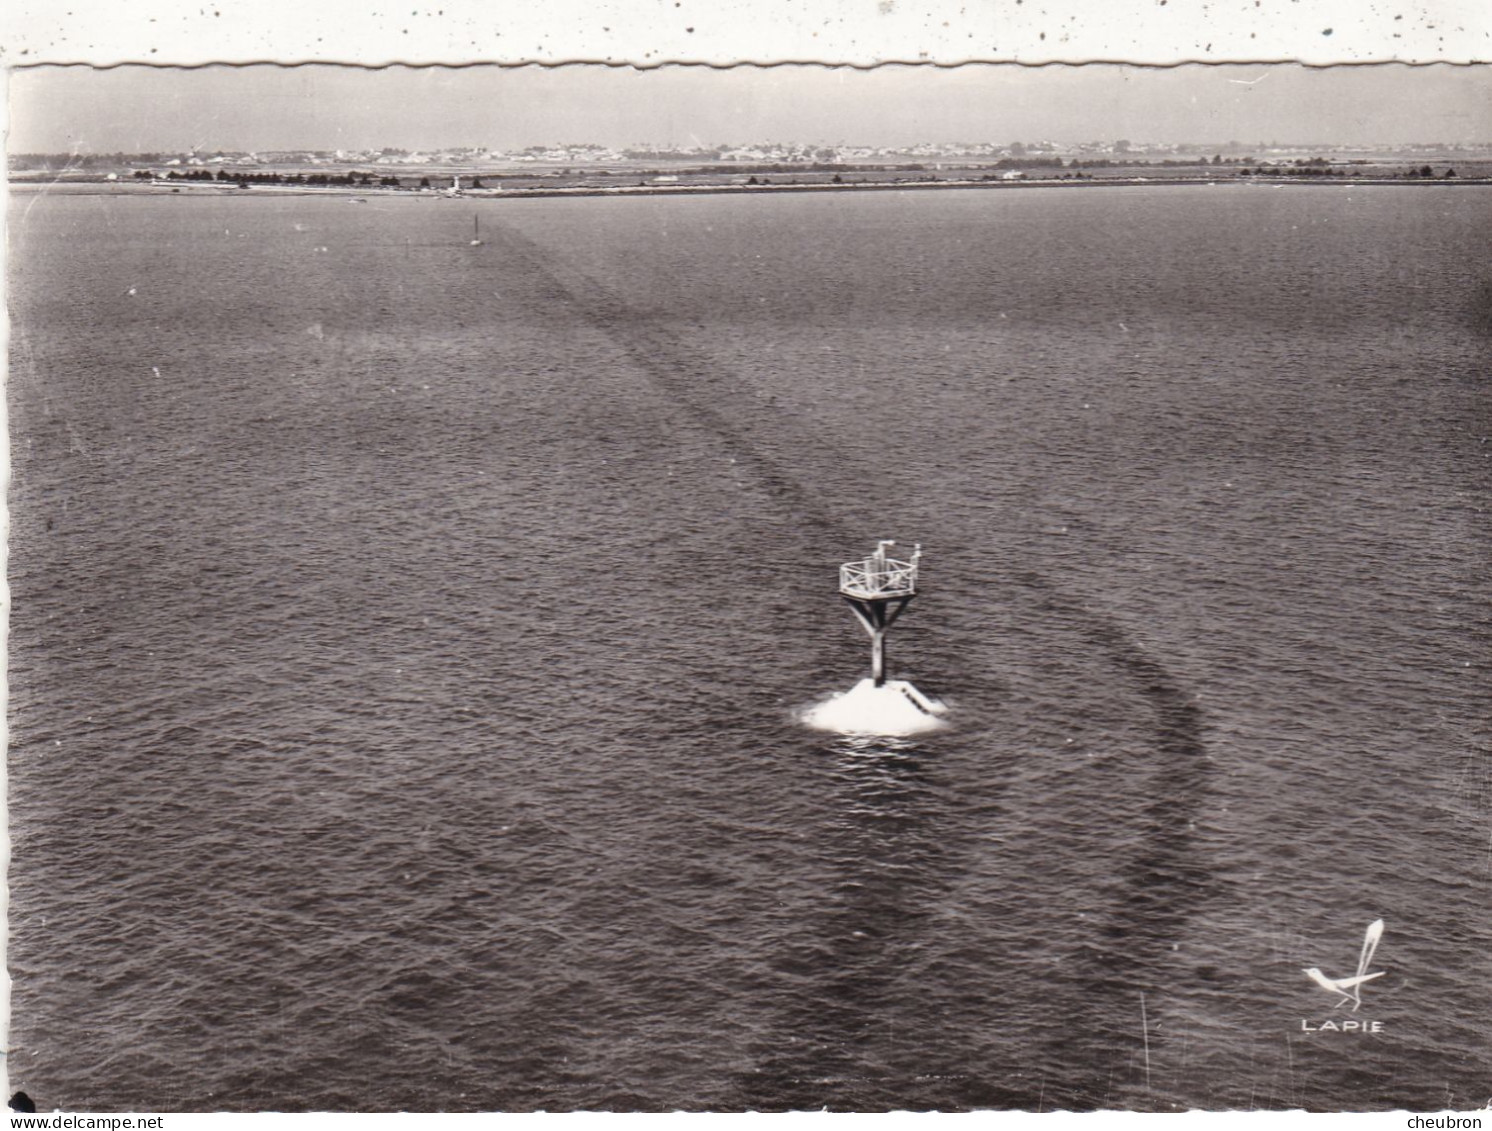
[895, 710]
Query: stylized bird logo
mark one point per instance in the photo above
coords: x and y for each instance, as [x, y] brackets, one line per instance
[1350, 989]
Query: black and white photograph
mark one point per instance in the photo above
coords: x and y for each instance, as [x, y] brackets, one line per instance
[749, 588]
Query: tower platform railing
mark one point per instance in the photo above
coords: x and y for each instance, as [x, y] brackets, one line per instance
[877, 578]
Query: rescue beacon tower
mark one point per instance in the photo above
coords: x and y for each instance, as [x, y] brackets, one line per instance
[878, 590]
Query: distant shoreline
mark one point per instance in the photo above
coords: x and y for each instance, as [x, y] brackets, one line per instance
[372, 192]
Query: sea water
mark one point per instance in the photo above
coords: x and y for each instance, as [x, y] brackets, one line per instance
[410, 644]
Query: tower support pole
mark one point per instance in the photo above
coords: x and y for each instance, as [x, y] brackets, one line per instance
[877, 616]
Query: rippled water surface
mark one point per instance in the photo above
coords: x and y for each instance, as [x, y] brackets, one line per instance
[408, 639]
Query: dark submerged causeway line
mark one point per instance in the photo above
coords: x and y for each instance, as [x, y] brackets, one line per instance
[1160, 886]
[891, 840]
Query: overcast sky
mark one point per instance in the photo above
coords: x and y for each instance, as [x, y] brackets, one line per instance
[137, 109]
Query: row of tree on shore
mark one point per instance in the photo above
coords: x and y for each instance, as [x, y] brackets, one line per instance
[1424, 172]
[367, 180]
[318, 180]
